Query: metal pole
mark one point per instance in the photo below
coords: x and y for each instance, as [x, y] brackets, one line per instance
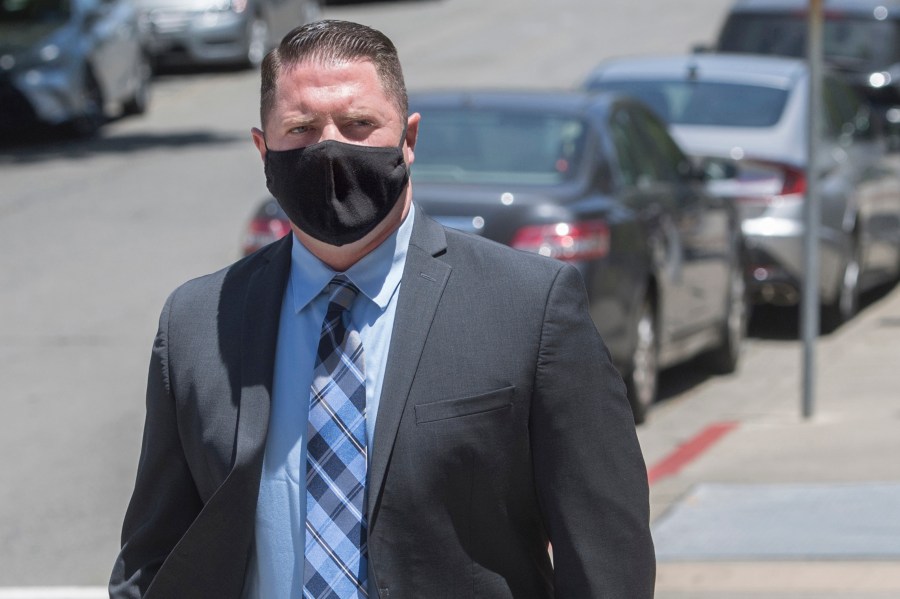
[812, 209]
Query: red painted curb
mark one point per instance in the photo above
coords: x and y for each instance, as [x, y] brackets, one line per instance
[689, 450]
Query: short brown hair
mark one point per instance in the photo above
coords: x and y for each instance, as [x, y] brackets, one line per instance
[334, 40]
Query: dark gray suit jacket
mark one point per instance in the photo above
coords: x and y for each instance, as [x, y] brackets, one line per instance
[502, 426]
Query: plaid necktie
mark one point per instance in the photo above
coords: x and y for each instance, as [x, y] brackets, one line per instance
[336, 552]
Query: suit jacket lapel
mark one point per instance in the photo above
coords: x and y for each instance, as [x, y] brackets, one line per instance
[200, 567]
[259, 335]
[423, 282]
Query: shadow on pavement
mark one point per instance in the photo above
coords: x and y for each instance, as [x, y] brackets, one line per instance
[162, 72]
[349, 2]
[678, 379]
[783, 323]
[768, 322]
[40, 144]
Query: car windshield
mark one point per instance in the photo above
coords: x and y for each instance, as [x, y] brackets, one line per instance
[33, 11]
[681, 102]
[852, 43]
[497, 146]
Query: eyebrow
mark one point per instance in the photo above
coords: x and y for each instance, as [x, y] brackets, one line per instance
[356, 115]
[306, 120]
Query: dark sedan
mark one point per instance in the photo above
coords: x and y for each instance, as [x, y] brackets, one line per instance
[597, 181]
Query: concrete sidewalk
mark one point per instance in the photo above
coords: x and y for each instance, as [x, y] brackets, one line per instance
[749, 499]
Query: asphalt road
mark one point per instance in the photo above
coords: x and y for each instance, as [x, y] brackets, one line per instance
[95, 234]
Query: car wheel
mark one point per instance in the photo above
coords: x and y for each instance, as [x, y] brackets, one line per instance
[723, 359]
[257, 41]
[642, 380]
[846, 304]
[138, 102]
[92, 116]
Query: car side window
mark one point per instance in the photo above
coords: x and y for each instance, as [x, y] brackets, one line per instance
[637, 162]
[847, 117]
[626, 153]
[672, 164]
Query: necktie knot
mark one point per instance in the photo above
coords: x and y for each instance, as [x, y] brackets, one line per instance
[341, 292]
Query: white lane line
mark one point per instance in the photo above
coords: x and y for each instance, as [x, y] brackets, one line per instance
[53, 593]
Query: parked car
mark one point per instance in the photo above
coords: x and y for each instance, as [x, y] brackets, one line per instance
[70, 62]
[861, 40]
[210, 32]
[594, 180]
[753, 109]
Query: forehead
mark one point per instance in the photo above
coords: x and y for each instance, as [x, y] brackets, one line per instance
[331, 79]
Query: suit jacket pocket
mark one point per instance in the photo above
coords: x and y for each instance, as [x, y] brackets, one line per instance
[500, 399]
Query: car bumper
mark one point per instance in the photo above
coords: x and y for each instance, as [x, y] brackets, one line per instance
[776, 260]
[46, 95]
[195, 37]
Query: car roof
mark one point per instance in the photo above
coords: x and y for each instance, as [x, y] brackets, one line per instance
[775, 71]
[854, 7]
[575, 102]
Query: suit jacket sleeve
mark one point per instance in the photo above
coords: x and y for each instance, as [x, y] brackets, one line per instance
[590, 474]
[165, 500]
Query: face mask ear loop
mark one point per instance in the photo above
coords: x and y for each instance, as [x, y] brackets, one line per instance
[403, 137]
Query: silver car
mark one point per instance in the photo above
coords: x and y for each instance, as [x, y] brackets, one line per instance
[70, 62]
[753, 110]
[207, 32]
[861, 39]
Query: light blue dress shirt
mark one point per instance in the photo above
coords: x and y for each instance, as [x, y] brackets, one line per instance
[276, 566]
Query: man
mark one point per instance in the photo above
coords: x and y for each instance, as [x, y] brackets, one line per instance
[375, 405]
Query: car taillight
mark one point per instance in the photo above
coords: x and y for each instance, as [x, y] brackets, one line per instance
[565, 241]
[794, 181]
[764, 182]
[262, 231]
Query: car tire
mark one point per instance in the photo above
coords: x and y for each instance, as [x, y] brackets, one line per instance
[846, 303]
[140, 100]
[724, 358]
[257, 41]
[641, 382]
[92, 116]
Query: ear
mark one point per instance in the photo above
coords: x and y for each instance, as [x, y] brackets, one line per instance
[259, 140]
[412, 134]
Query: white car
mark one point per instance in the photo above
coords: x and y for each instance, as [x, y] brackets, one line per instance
[861, 40]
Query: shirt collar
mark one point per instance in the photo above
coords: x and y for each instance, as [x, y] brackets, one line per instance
[377, 275]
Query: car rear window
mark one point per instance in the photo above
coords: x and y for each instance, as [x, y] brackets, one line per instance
[865, 44]
[685, 102]
[497, 146]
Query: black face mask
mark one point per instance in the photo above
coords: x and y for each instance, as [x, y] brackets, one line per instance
[337, 192]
